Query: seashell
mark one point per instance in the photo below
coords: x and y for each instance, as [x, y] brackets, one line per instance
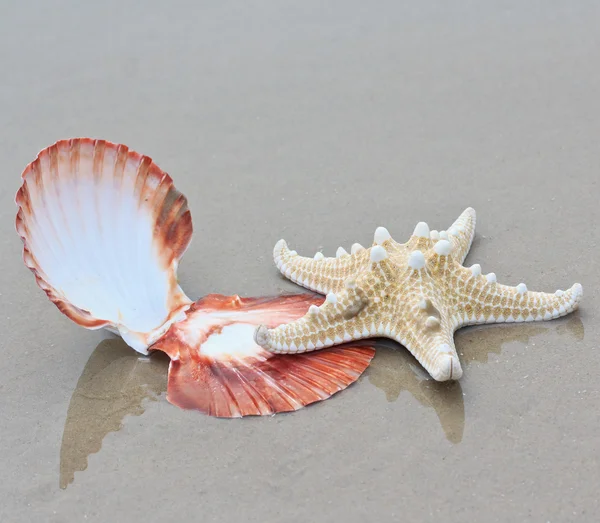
[217, 368]
[103, 230]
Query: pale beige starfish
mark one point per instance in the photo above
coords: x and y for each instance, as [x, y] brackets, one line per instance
[417, 293]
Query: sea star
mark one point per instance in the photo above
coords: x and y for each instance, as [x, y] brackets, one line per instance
[417, 293]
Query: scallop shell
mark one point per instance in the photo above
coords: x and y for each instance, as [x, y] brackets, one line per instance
[217, 368]
[103, 230]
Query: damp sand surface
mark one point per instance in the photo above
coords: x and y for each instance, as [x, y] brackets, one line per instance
[317, 123]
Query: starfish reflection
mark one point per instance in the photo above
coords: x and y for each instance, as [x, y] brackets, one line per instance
[394, 369]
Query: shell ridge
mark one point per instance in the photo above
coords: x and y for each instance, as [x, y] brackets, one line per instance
[275, 386]
[307, 394]
[231, 403]
[251, 393]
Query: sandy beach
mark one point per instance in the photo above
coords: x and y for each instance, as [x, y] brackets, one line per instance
[315, 122]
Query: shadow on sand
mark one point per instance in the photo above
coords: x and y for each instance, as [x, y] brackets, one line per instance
[117, 382]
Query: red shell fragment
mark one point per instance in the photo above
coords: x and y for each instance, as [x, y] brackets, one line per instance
[217, 368]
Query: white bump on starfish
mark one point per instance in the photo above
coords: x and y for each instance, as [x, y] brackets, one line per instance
[293, 253]
[319, 256]
[443, 247]
[416, 260]
[453, 231]
[356, 247]
[431, 322]
[444, 235]
[521, 288]
[559, 293]
[378, 253]
[491, 277]
[434, 235]
[421, 230]
[314, 310]
[476, 269]
[331, 298]
[423, 304]
[350, 283]
[381, 235]
[341, 252]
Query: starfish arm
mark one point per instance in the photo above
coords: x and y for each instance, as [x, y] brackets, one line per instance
[419, 322]
[359, 311]
[319, 274]
[461, 234]
[334, 322]
[481, 300]
[432, 344]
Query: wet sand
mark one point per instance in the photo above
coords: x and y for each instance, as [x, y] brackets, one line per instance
[315, 123]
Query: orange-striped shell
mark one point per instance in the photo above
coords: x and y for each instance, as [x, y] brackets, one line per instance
[103, 229]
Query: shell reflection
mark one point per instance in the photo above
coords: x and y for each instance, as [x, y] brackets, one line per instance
[115, 382]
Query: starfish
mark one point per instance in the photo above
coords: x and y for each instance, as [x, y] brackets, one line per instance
[417, 293]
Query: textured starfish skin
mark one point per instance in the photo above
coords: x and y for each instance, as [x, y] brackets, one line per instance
[417, 294]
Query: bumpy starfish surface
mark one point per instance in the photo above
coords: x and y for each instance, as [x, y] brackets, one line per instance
[417, 293]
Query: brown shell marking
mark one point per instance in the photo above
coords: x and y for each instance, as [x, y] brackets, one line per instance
[259, 383]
